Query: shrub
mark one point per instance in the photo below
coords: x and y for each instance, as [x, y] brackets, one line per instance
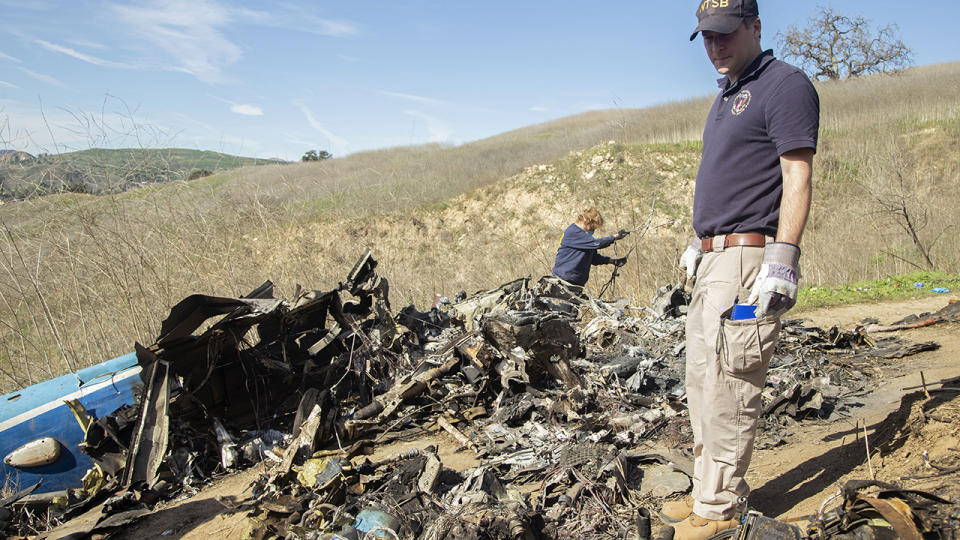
[199, 173]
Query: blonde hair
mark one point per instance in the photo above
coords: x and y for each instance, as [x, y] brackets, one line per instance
[590, 219]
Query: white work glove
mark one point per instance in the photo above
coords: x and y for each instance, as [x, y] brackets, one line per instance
[775, 289]
[691, 259]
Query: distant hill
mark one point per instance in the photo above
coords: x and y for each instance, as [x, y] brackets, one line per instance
[14, 156]
[101, 170]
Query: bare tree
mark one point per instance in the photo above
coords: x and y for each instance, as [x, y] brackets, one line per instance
[834, 46]
[895, 189]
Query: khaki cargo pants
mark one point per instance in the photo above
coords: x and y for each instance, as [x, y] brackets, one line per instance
[726, 368]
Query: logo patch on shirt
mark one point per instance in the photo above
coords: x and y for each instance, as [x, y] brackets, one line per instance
[740, 102]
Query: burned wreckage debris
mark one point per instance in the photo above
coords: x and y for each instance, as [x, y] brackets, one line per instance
[571, 407]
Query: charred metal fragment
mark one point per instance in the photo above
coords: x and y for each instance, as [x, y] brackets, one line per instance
[148, 447]
[572, 409]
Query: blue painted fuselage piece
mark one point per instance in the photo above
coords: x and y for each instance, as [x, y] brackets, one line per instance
[40, 410]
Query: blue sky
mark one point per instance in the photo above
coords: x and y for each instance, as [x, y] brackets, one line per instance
[275, 79]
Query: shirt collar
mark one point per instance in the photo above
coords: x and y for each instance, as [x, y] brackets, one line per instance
[752, 70]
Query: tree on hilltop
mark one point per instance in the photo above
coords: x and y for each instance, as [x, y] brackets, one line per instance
[835, 46]
[313, 155]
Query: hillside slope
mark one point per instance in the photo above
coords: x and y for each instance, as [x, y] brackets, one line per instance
[441, 219]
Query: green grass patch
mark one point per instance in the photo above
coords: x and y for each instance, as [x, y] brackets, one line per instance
[902, 287]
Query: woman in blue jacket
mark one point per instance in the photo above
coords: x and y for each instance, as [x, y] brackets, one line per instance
[578, 248]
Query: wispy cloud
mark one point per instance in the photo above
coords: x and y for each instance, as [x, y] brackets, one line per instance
[189, 119]
[327, 27]
[43, 78]
[192, 32]
[87, 44]
[339, 142]
[79, 55]
[37, 5]
[438, 131]
[412, 97]
[246, 109]
[10, 58]
[302, 142]
[294, 17]
[187, 30]
[5, 84]
[538, 108]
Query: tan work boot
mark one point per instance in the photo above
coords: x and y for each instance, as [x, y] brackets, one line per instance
[698, 528]
[677, 511]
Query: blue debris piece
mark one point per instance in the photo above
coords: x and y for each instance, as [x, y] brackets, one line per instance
[40, 410]
[940, 290]
[918, 284]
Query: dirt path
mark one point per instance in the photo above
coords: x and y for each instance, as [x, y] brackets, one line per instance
[794, 479]
[790, 480]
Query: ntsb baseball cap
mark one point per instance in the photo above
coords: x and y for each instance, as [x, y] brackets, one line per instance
[723, 16]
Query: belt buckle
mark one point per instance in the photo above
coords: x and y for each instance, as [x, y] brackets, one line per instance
[718, 243]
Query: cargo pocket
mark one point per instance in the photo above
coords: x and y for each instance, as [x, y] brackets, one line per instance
[746, 345]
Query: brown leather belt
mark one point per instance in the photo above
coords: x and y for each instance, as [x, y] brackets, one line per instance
[733, 240]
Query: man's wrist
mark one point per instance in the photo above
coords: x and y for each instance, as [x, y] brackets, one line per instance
[782, 253]
[787, 243]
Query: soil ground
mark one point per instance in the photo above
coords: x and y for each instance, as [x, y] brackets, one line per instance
[791, 480]
[794, 479]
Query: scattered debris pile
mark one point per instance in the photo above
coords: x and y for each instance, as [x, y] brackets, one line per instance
[867, 509]
[949, 313]
[890, 512]
[915, 466]
[573, 407]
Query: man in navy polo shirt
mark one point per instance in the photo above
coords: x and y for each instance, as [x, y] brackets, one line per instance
[750, 206]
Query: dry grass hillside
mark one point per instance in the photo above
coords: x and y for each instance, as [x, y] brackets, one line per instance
[82, 277]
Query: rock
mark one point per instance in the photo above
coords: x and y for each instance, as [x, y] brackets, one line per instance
[663, 481]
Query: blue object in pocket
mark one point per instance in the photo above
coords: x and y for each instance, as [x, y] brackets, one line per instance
[743, 311]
